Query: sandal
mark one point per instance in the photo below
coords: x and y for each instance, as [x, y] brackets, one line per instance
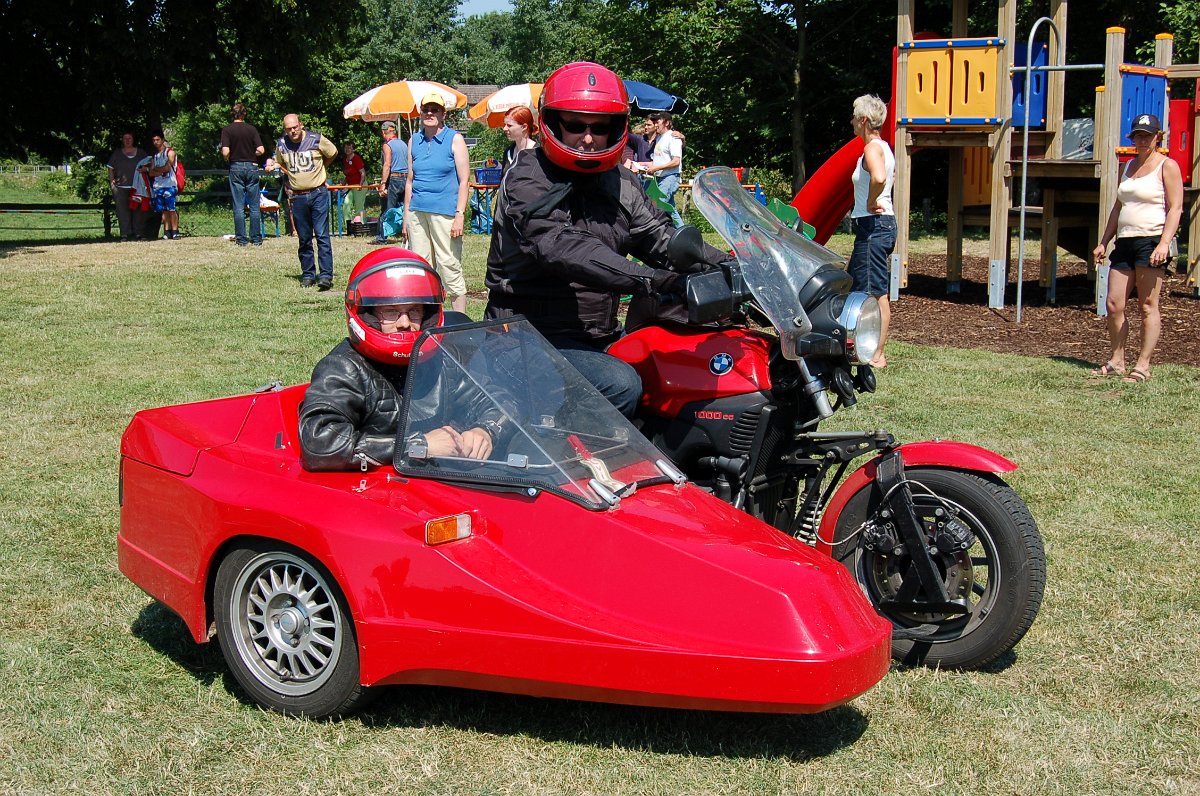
[1137, 376]
[1108, 369]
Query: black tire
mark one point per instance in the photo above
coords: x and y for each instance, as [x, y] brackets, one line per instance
[1002, 576]
[286, 633]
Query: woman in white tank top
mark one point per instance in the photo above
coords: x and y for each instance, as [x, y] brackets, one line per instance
[873, 219]
[1144, 219]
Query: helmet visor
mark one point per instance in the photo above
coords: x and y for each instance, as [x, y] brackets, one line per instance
[395, 282]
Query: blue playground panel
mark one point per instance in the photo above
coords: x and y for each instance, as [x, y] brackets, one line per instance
[1141, 92]
[946, 121]
[1037, 89]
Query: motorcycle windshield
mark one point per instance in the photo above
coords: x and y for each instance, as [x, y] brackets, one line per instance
[776, 261]
[548, 427]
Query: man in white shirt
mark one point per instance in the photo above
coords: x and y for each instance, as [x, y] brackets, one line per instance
[666, 161]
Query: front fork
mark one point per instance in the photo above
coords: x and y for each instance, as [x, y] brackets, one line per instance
[894, 530]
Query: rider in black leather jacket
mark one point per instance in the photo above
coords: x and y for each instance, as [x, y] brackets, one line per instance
[352, 410]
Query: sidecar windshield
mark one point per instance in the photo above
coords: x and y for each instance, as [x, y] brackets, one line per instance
[550, 429]
[776, 261]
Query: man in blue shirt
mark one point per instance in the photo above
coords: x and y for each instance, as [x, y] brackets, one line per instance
[394, 175]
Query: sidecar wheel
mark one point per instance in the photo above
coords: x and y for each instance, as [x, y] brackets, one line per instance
[1001, 577]
[286, 633]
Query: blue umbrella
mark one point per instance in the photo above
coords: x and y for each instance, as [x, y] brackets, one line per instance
[644, 98]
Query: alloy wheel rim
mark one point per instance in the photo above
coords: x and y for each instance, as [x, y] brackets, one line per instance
[288, 626]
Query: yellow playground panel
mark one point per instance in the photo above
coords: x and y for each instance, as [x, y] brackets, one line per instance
[953, 81]
[977, 175]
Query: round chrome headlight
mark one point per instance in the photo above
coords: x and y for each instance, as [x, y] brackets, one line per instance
[860, 317]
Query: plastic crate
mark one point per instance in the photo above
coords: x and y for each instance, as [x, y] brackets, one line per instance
[488, 176]
[360, 229]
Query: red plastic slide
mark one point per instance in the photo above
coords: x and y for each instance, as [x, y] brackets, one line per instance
[828, 195]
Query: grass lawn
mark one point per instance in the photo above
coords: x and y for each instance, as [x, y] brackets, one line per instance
[103, 692]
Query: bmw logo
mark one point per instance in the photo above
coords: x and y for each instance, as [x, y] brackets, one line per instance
[720, 364]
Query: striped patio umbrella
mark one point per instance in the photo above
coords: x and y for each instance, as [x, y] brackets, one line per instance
[495, 105]
[399, 100]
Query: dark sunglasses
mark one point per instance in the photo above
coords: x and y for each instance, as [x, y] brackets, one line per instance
[575, 127]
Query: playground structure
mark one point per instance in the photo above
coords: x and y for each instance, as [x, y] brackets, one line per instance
[968, 96]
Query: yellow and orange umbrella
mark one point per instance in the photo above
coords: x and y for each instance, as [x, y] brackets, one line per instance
[493, 107]
[400, 100]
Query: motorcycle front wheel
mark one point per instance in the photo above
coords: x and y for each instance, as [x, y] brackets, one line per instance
[999, 579]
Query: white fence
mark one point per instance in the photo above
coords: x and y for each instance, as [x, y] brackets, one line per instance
[31, 168]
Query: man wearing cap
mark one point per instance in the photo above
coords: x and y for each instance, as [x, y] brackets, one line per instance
[1143, 219]
[566, 219]
[435, 197]
[394, 175]
[303, 156]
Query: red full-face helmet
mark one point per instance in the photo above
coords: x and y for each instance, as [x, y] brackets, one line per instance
[390, 276]
[584, 87]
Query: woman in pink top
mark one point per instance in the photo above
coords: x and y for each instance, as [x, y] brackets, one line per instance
[1143, 220]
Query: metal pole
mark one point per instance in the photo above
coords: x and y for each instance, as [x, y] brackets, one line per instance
[1029, 69]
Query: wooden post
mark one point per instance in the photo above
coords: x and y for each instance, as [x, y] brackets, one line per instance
[999, 247]
[954, 200]
[958, 20]
[1056, 81]
[1049, 271]
[1193, 273]
[1108, 132]
[954, 223]
[902, 184]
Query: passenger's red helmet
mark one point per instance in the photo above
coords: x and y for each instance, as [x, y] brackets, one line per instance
[390, 276]
[584, 87]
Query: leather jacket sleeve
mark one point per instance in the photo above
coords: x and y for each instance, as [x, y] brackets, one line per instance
[336, 432]
[573, 252]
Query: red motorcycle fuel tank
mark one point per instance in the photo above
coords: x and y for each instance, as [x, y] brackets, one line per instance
[683, 365]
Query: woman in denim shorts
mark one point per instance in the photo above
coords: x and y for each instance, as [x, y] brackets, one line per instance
[1144, 219]
[873, 219]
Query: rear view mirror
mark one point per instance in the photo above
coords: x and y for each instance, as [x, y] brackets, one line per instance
[686, 248]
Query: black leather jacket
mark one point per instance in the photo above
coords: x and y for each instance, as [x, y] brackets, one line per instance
[559, 248]
[351, 412]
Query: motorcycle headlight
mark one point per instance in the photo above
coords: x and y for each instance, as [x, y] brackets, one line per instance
[862, 322]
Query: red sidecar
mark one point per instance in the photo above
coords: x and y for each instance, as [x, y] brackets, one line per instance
[575, 562]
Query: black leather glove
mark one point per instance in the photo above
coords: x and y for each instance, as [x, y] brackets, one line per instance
[668, 282]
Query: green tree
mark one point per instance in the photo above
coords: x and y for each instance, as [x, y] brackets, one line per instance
[81, 71]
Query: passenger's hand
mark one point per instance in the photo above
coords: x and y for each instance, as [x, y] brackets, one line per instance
[476, 443]
[444, 441]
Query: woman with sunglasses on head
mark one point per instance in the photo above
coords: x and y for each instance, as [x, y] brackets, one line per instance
[1144, 219]
[521, 128]
[565, 221]
[435, 197]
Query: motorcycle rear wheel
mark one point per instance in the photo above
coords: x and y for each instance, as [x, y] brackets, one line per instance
[1001, 577]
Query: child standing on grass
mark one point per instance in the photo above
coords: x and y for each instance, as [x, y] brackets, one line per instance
[163, 186]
